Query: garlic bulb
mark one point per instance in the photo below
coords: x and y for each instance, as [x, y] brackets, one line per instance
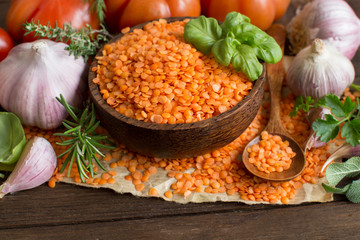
[318, 70]
[33, 75]
[35, 166]
[333, 21]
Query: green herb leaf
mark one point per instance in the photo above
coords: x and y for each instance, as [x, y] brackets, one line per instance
[235, 37]
[83, 42]
[267, 49]
[331, 189]
[99, 7]
[223, 50]
[83, 140]
[245, 60]
[265, 46]
[356, 87]
[337, 108]
[232, 22]
[326, 129]
[353, 194]
[335, 172]
[12, 140]
[351, 132]
[202, 32]
[302, 104]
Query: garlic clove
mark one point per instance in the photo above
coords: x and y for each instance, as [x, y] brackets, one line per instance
[34, 74]
[35, 166]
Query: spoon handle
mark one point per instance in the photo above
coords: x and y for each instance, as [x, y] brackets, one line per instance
[275, 75]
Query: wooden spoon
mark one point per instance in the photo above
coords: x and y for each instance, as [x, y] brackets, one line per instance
[275, 76]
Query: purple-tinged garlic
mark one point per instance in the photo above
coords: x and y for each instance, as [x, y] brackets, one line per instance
[34, 167]
[313, 141]
[318, 70]
[333, 21]
[33, 75]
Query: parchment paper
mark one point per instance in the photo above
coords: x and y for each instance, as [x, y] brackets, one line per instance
[307, 193]
[160, 181]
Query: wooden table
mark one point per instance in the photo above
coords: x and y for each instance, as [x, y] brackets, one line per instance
[71, 212]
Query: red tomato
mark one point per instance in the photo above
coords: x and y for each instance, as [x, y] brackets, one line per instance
[6, 44]
[127, 13]
[262, 13]
[76, 12]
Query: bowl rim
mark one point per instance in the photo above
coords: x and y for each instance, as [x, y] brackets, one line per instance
[95, 93]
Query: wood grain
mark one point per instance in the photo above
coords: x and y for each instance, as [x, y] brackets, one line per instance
[71, 212]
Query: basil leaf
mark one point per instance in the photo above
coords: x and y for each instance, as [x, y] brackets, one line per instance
[265, 46]
[335, 172]
[351, 131]
[202, 32]
[267, 50]
[12, 140]
[353, 194]
[327, 128]
[223, 50]
[245, 60]
[232, 22]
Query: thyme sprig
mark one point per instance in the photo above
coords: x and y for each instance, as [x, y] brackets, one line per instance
[83, 141]
[82, 42]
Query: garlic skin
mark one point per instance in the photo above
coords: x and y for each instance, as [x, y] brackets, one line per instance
[333, 21]
[34, 167]
[318, 70]
[33, 75]
[313, 141]
[344, 151]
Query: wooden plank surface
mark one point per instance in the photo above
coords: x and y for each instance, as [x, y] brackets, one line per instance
[71, 212]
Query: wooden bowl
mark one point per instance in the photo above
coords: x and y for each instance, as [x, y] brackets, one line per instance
[176, 140]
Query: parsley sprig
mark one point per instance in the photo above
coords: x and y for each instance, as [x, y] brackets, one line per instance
[82, 42]
[345, 116]
[83, 141]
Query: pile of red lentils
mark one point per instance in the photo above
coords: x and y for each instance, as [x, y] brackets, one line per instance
[153, 75]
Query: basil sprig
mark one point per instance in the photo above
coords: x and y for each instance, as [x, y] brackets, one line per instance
[235, 41]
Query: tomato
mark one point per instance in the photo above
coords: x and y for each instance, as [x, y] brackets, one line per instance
[262, 13]
[6, 44]
[76, 12]
[127, 13]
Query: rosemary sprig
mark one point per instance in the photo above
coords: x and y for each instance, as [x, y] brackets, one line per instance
[82, 42]
[99, 7]
[82, 140]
